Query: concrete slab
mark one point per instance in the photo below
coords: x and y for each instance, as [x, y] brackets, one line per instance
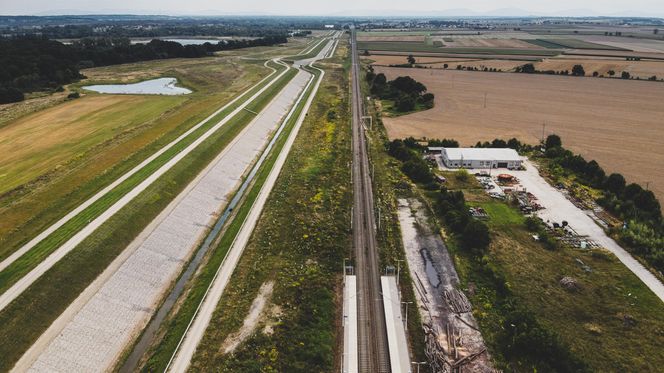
[396, 332]
[350, 361]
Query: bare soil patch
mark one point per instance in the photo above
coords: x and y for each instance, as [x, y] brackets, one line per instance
[614, 121]
[256, 312]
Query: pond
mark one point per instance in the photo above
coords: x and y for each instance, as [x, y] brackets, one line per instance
[182, 41]
[160, 86]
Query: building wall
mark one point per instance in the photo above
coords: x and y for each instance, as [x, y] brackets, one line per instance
[469, 163]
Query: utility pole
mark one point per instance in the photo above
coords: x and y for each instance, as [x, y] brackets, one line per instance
[398, 268]
[406, 318]
[418, 364]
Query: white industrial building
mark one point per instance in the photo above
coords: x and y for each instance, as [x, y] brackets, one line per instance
[478, 157]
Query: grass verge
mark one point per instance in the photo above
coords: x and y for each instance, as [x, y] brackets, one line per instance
[297, 243]
[23, 321]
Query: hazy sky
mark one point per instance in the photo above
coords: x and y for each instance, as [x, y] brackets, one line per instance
[317, 7]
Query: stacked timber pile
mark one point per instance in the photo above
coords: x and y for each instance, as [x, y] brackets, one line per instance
[434, 351]
[457, 301]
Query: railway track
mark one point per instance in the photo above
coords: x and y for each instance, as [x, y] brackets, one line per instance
[372, 346]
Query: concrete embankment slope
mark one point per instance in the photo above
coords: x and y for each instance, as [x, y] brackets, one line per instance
[94, 331]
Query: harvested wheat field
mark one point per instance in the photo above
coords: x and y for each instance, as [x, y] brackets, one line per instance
[641, 69]
[502, 65]
[617, 122]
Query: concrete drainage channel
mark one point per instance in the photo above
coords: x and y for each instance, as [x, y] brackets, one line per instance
[211, 241]
[185, 349]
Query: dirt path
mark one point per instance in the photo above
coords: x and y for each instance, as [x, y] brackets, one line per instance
[432, 270]
[251, 321]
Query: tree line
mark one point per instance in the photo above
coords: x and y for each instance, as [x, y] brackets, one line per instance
[29, 64]
[405, 91]
[643, 231]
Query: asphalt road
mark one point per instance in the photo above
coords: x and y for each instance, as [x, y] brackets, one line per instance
[372, 331]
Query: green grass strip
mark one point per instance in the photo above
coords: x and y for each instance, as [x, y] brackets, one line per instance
[40, 251]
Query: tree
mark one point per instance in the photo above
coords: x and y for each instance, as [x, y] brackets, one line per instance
[366, 53]
[408, 85]
[528, 68]
[411, 59]
[625, 75]
[578, 70]
[405, 103]
[475, 237]
[445, 66]
[10, 94]
[417, 170]
[615, 183]
[611, 73]
[553, 141]
[595, 74]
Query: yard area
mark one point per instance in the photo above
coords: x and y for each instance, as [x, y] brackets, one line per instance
[612, 321]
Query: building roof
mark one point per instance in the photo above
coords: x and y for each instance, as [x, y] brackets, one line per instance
[482, 154]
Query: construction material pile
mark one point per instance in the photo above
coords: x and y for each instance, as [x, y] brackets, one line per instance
[457, 301]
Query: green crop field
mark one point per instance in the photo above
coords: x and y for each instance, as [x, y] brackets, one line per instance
[422, 47]
[571, 43]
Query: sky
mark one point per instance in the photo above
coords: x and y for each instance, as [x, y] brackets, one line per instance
[336, 7]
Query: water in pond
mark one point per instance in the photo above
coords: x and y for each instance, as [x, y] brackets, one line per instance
[161, 86]
[183, 41]
[432, 273]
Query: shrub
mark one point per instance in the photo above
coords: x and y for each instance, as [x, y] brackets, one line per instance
[417, 170]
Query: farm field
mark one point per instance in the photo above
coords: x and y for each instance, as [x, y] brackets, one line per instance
[421, 47]
[571, 44]
[414, 38]
[637, 45]
[641, 69]
[394, 60]
[616, 122]
[490, 43]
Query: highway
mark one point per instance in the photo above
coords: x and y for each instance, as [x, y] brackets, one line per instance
[372, 331]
